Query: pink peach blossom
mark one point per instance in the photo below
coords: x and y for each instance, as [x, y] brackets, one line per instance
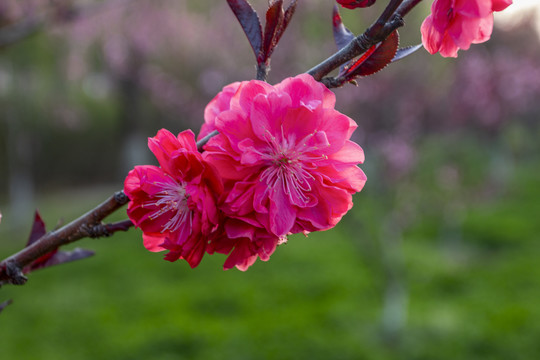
[286, 160]
[175, 204]
[456, 24]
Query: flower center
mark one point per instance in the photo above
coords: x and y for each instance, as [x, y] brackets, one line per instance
[172, 199]
[288, 166]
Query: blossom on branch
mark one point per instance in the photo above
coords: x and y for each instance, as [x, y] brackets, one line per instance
[456, 24]
[286, 160]
[353, 4]
[175, 204]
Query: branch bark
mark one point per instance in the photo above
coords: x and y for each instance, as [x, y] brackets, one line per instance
[390, 20]
[88, 225]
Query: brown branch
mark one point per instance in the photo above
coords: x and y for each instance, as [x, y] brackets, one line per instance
[407, 6]
[109, 229]
[88, 225]
[390, 20]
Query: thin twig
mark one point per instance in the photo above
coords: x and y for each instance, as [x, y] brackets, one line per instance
[205, 139]
[262, 71]
[407, 6]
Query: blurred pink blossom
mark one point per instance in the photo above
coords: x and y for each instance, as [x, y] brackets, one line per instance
[456, 24]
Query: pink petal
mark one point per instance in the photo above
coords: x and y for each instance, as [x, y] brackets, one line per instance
[350, 153]
[337, 128]
[282, 214]
[217, 105]
[303, 90]
[431, 38]
[153, 243]
[485, 28]
[473, 8]
[243, 98]
[301, 122]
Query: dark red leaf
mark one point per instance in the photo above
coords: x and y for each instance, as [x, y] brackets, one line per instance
[286, 19]
[406, 51]
[58, 257]
[274, 20]
[38, 229]
[375, 59]
[40, 262]
[68, 256]
[342, 35]
[249, 20]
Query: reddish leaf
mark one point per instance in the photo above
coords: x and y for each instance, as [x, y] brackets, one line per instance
[68, 256]
[40, 262]
[406, 51]
[375, 59]
[274, 20]
[286, 19]
[56, 257]
[38, 229]
[342, 35]
[249, 20]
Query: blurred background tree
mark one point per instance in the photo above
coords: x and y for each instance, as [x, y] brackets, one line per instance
[437, 259]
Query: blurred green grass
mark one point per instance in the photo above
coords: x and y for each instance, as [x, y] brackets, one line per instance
[319, 297]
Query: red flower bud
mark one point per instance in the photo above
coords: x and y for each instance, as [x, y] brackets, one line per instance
[353, 4]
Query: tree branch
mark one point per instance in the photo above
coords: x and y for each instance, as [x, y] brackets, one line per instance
[407, 6]
[390, 20]
[88, 225]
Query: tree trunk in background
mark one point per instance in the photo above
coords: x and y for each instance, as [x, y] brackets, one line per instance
[131, 117]
[21, 187]
[396, 297]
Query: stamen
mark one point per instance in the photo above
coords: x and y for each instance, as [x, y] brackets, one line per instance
[173, 198]
[289, 165]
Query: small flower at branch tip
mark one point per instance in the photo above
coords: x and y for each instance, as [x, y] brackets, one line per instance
[456, 24]
[286, 160]
[353, 4]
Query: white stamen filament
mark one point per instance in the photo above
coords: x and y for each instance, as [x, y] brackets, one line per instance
[289, 164]
[173, 198]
